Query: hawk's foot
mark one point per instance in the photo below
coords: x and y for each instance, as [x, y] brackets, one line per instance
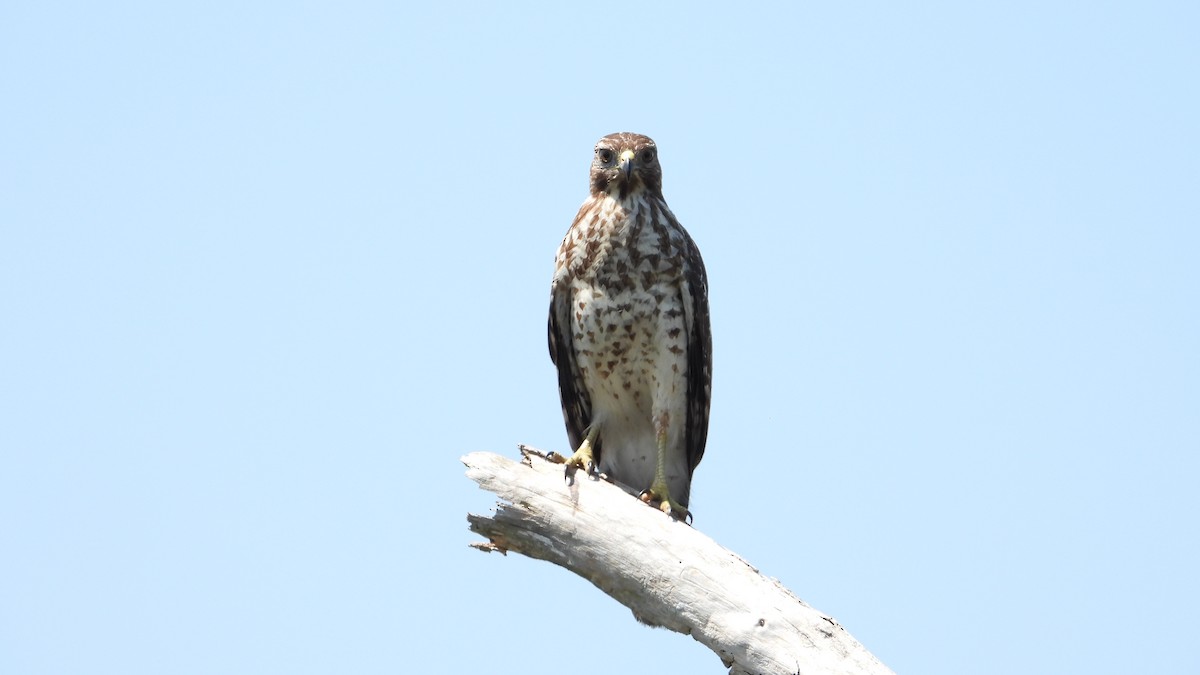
[659, 496]
[582, 459]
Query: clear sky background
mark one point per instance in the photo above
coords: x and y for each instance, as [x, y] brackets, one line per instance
[267, 270]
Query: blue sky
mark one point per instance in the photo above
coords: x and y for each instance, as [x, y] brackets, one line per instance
[267, 271]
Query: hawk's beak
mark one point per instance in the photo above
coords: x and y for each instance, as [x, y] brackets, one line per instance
[627, 163]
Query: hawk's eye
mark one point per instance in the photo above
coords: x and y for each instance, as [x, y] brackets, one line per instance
[604, 155]
[647, 156]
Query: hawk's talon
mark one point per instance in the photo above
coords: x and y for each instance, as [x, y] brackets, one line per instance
[667, 505]
[582, 459]
[569, 473]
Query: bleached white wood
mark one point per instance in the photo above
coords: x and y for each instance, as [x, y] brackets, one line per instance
[668, 573]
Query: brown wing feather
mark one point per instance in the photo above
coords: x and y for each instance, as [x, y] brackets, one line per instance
[576, 405]
[699, 390]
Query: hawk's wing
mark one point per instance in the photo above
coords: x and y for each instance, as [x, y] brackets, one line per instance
[699, 389]
[577, 407]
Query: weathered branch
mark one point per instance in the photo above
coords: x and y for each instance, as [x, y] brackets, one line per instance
[668, 573]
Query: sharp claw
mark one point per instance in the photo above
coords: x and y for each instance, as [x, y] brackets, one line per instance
[667, 506]
[574, 464]
[582, 458]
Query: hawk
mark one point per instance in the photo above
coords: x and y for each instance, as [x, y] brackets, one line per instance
[629, 330]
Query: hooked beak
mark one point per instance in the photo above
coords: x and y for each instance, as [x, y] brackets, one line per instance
[627, 163]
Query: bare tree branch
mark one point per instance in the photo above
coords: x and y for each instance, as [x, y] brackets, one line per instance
[668, 573]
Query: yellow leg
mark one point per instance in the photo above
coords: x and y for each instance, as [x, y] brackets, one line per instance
[659, 491]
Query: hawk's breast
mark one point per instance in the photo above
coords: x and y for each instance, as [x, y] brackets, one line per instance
[624, 269]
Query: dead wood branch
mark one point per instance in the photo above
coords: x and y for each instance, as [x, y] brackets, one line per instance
[667, 573]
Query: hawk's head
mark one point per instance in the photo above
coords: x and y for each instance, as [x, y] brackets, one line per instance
[625, 163]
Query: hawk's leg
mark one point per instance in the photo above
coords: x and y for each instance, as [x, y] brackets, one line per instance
[583, 458]
[659, 491]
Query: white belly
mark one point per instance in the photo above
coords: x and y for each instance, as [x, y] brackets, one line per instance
[635, 372]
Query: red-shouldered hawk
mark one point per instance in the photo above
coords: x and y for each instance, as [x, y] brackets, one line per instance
[629, 330]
